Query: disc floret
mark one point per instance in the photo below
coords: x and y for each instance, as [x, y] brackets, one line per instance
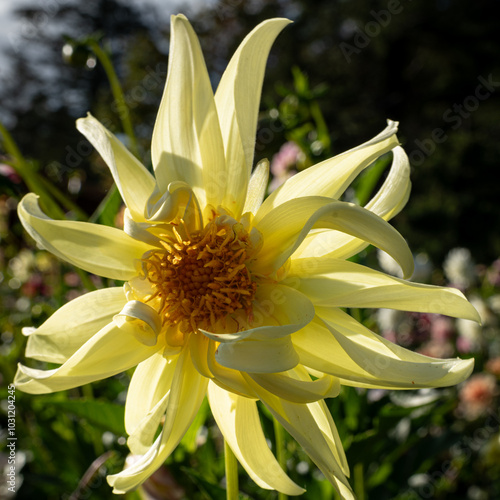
[200, 278]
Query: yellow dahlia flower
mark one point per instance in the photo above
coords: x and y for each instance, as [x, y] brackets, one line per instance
[225, 294]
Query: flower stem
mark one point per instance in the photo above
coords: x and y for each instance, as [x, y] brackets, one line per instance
[279, 435]
[231, 473]
[117, 92]
[359, 482]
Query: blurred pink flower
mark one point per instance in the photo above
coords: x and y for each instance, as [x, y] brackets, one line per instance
[477, 394]
[493, 366]
[283, 163]
[441, 328]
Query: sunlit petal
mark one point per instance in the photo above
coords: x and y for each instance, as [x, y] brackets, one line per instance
[339, 345]
[58, 338]
[133, 180]
[107, 353]
[236, 98]
[387, 203]
[331, 177]
[151, 380]
[101, 250]
[285, 228]
[333, 282]
[257, 187]
[187, 144]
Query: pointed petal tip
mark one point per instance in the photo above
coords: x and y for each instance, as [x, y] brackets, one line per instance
[464, 367]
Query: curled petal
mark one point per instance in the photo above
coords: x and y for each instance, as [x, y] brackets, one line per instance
[338, 283]
[141, 320]
[98, 249]
[339, 345]
[58, 338]
[177, 201]
[259, 356]
[133, 180]
[226, 378]
[387, 203]
[238, 420]
[277, 312]
[297, 386]
[331, 177]
[108, 352]
[285, 227]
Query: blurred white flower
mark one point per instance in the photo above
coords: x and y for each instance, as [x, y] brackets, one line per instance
[459, 268]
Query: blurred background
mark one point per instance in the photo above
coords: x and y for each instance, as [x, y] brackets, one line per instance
[333, 78]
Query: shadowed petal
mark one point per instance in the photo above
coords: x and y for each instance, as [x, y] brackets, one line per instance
[187, 390]
[238, 420]
[296, 385]
[312, 427]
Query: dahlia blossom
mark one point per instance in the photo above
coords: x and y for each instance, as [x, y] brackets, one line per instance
[226, 295]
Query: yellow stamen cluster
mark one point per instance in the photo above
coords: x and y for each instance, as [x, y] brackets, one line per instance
[201, 278]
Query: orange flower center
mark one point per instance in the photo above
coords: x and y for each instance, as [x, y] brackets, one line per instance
[202, 277]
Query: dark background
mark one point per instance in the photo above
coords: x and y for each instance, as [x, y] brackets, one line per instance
[419, 63]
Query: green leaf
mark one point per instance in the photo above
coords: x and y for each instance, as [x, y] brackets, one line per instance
[108, 208]
[189, 439]
[368, 180]
[107, 416]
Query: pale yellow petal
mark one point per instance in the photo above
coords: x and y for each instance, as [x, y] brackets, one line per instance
[141, 440]
[238, 420]
[133, 180]
[58, 338]
[140, 320]
[331, 177]
[338, 283]
[226, 378]
[339, 345]
[186, 394]
[257, 187]
[237, 99]
[277, 311]
[98, 249]
[285, 227]
[387, 203]
[187, 144]
[107, 353]
[199, 347]
[296, 385]
[178, 201]
[311, 427]
[150, 382]
[259, 356]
